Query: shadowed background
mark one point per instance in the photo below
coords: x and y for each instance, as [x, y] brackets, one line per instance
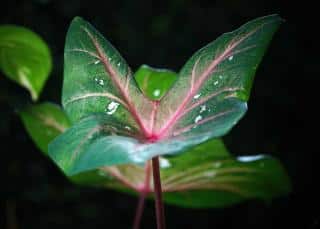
[165, 34]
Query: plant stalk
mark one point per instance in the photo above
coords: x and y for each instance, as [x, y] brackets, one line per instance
[142, 197]
[158, 193]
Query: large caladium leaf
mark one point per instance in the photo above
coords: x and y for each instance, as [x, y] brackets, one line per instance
[115, 123]
[24, 58]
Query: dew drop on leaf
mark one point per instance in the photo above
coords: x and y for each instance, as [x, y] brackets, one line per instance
[197, 96]
[230, 58]
[112, 107]
[97, 62]
[156, 92]
[197, 119]
[101, 82]
[203, 108]
[216, 82]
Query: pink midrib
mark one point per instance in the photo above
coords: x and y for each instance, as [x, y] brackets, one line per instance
[175, 117]
[123, 92]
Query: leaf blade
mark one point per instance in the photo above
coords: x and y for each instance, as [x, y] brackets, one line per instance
[210, 75]
[95, 76]
[25, 58]
[44, 122]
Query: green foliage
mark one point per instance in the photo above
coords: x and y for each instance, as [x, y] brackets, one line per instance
[25, 58]
[121, 120]
[116, 124]
[154, 83]
[44, 122]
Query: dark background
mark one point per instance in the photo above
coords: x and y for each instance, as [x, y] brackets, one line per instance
[281, 119]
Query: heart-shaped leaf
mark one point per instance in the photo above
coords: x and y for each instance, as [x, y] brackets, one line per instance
[25, 58]
[44, 122]
[116, 124]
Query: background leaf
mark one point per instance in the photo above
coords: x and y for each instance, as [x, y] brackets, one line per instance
[44, 122]
[153, 82]
[25, 58]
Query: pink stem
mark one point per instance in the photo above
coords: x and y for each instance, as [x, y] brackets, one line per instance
[158, 193]
[143, 194]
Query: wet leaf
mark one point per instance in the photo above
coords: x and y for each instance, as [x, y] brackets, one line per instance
[116, 124]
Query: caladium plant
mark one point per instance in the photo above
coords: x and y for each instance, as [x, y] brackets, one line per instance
[115, 123]
[119, 121]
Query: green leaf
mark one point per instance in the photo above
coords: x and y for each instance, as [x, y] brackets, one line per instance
[98, 80]
[203, 177]
[154, 83]
[25, 58]
[116, 124]
[223, 182]
[210, 94]
[44, 122]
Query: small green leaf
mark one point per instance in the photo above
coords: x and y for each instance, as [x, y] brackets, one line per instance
[44, 122]
[154, 83]
[25, 58]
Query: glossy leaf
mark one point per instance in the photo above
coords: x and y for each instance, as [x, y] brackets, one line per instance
[210, 94]
[154, 82]
[98, 80]
[203, 177]
[44, 122]
[116, 124]
[24, 58]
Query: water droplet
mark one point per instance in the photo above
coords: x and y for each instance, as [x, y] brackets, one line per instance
[112, 107]
[203, 108]
[95, 79]
[101, 82]
[119, 64]
[156, 92]
[164, 163]
[216, 82]
[220, 77]
[197, 96]
[230, 58]
[97, 62]
[109, 58]
[197, 119]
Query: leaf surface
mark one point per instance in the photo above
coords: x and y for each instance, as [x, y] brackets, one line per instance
[25, 58]
[153, 82]
[116, 124]
[210, 94]
[44, 122]
[98, 80]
